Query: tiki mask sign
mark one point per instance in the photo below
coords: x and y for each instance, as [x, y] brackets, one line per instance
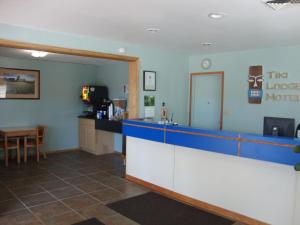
[255, 80]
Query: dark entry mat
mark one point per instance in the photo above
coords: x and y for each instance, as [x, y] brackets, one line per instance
[92, 221]
[155, 209]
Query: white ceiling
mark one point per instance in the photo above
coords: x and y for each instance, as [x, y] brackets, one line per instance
[184, 24]
[24, 54]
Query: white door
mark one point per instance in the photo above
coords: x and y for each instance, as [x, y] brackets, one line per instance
[206, 101]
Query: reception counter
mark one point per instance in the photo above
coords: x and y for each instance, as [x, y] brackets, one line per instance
[246, 177]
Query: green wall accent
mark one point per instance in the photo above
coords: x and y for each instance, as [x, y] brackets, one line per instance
[238, 114]
[59, 105]
[171, 66]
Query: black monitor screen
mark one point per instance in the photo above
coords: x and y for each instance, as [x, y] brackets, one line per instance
[283, 127]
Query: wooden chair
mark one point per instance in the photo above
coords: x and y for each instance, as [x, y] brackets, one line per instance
[35, 142]
[12, 144]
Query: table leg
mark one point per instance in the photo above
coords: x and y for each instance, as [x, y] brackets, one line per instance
[18, 151]
[25, 149]
[6, 151]
[37, 149]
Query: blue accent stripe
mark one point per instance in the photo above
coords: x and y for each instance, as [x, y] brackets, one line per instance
[144, 131]
[218, 145]
[270, 153]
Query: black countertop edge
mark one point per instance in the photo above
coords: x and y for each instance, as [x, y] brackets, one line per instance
[87, 117]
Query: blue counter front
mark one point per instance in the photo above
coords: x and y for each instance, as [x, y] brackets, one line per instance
[270, 149]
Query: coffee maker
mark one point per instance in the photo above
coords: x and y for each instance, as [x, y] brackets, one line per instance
[94, 97]
[105, 110]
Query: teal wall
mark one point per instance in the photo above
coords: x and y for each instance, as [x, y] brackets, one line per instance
[59, 104]
[114, 76]
[238, 114]
[171, 67]
[172, 74]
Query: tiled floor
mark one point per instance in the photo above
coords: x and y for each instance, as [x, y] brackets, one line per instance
[64, 189]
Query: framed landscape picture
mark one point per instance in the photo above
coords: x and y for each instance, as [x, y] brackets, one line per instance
[149, 81]
[19, 84]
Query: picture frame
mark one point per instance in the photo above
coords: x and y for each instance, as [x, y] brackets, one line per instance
[149, 80]
[19, 83]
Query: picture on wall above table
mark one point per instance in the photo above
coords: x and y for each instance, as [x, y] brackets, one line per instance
[149, 104]
[149, 81]
[255, 80]
[19, 84]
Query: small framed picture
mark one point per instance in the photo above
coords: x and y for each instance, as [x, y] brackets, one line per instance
[149, 81]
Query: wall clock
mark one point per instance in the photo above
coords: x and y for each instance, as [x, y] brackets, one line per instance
[206, 63]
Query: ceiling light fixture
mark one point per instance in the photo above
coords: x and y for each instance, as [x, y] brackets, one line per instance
[153, 30]
[216, 15]
[122, 50]
[206, 44]
[38, 54]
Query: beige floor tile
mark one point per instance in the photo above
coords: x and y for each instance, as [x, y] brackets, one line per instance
[21, 217]
[79, 202]
[98, 211]
[118, 220]
[37, 199]
[66, 192]
[114, 181]
[5, 195]
[64, 219]
[91, 186]
[107, 195]
[52, 185]
[10, 206]
[78, 180]
[49, 210]
[28, 190]
[130, 189]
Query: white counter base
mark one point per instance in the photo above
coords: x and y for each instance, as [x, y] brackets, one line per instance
[261, 190]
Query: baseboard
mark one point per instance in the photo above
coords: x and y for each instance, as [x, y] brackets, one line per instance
[62, 151]
[196, 203]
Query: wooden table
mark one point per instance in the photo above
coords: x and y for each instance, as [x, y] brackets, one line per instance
[10, 132]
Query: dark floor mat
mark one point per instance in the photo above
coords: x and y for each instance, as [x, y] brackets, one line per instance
[92, 221]
[155, 209]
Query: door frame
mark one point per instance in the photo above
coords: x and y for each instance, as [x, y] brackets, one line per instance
[220, 73]
[133, 76]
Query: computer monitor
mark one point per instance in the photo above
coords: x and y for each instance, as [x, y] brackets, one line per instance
[283, 127]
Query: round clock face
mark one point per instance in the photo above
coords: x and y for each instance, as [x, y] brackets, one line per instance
[206, 63]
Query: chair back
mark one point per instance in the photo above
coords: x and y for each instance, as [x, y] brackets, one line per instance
[41, 133]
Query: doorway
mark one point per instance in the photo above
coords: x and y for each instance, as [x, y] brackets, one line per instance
[206, 100]
[133, 65]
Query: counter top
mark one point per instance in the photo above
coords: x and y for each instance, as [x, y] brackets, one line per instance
[228, 134]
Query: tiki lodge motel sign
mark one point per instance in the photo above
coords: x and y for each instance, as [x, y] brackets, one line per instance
[277, 88]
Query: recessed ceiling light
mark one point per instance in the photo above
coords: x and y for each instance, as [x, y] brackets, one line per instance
[153, 30]
[206, 44]
[38, 54]
[122, 50]
[216, 15]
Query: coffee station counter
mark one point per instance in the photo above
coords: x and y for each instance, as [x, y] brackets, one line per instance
[247, 177]
[98, 136]
[114, 126]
